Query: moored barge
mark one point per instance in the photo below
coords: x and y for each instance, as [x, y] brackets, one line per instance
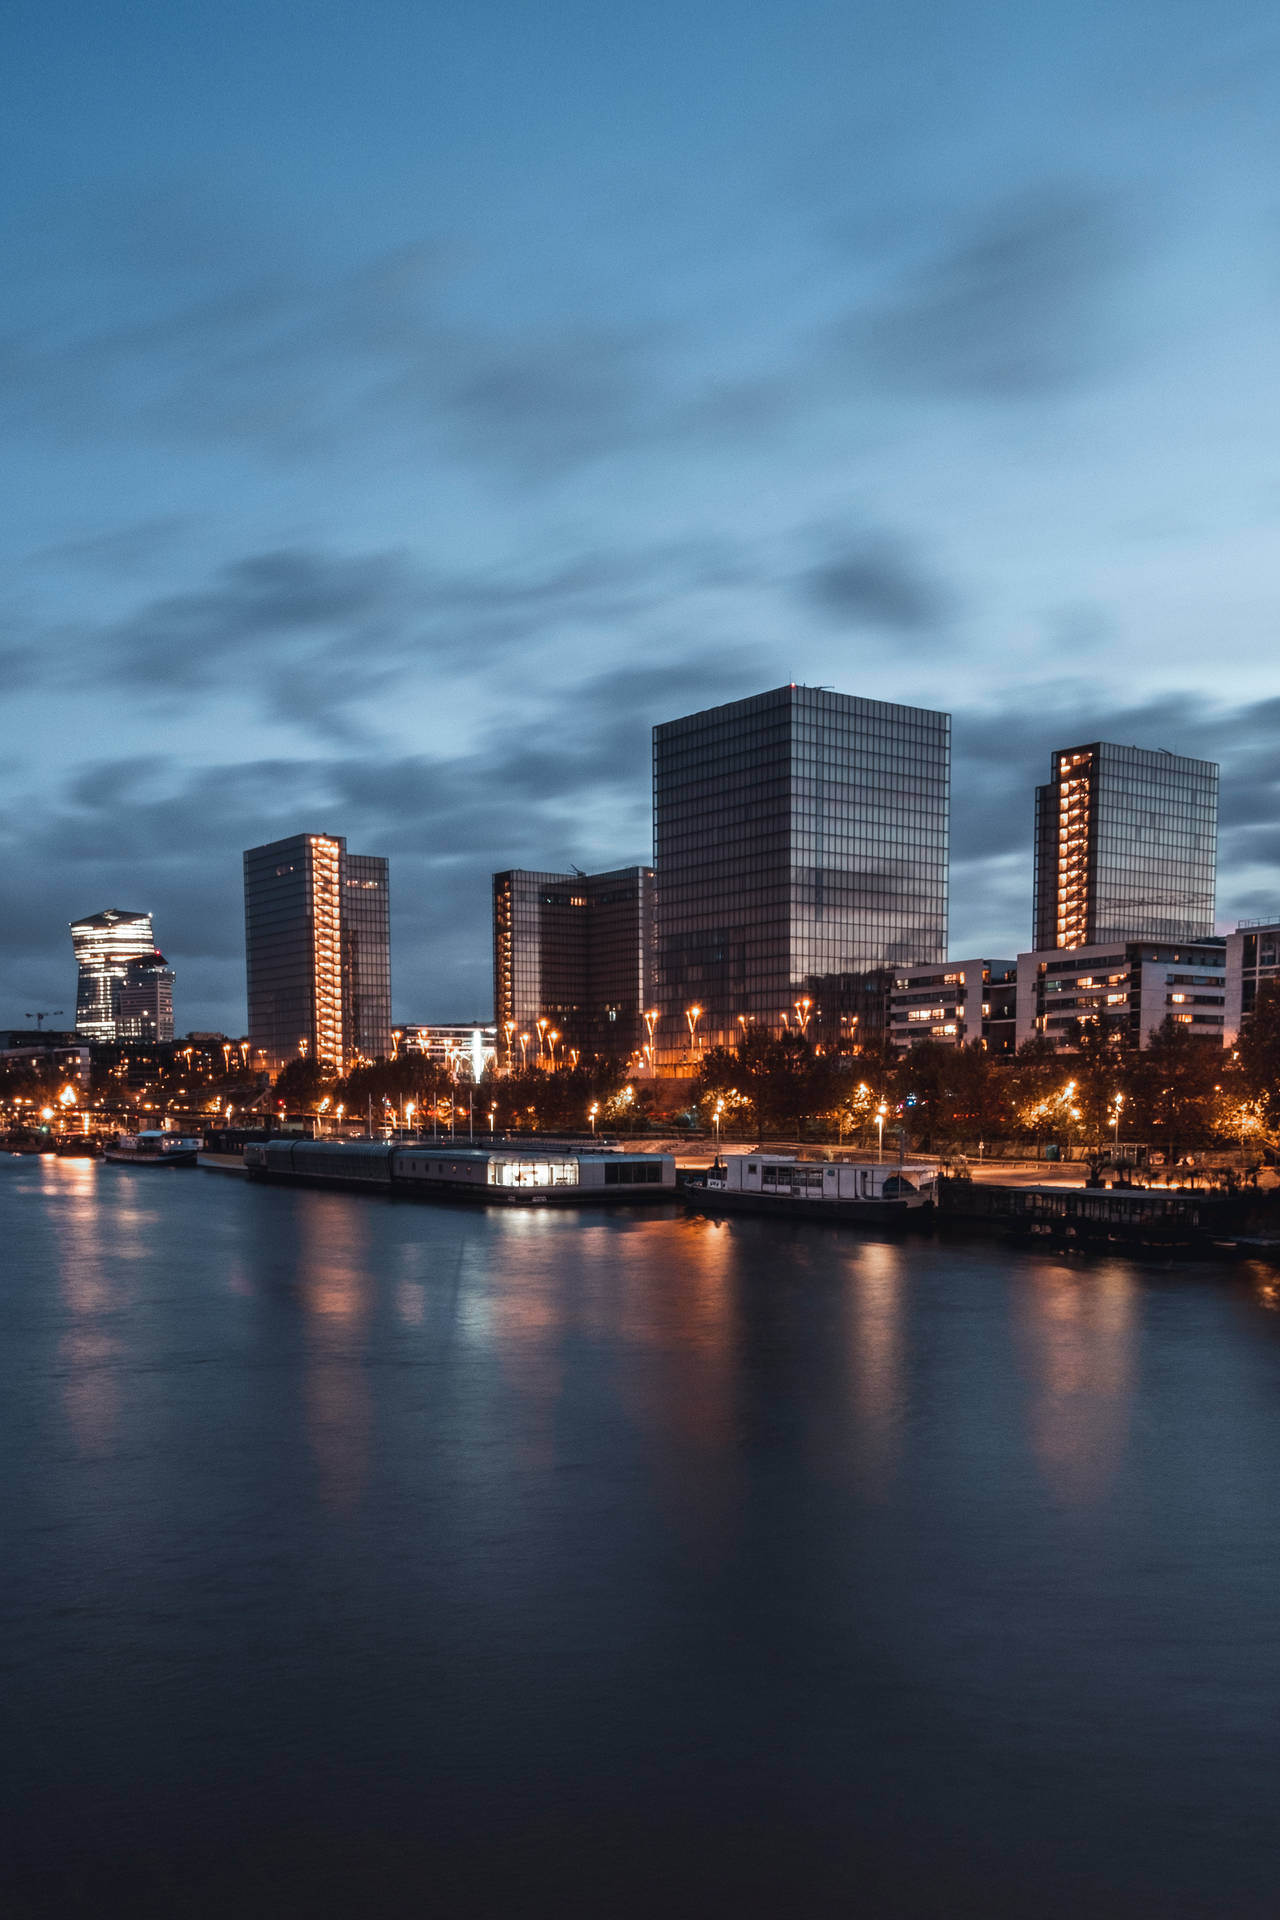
[490, 1175]
[873, 1192]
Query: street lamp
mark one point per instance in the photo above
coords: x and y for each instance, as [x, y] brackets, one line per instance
[524, 1050]
[592, 1111]
[882, 1114]
[542, 1026]
[552, 1037]
[493, 1113]
[693, 1014]
[408, 1115]
[1119, 1102]
[802, 1012]
[651, 1021]
[716, 1111]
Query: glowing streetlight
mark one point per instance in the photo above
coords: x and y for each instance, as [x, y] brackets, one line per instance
[493, 1112]
[524, 1050]
[693, 1014]
[67, 1098]
[552, 1037]
[802, 1012]
[592, 1111]
[651, 1019]
[408, 1115]
[1118, 1100]
[882, 1114]
[509, 1027]
[716, 1111]
[542, 1026]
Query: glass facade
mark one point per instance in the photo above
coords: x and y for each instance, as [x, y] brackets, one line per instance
[144, 1003]
[572, 955]
[1126, 847]
[116, 954]
[317, 952]
[800, 843]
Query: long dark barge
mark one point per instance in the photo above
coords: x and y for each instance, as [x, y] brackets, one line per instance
[1143, 1217]
[539, 1175]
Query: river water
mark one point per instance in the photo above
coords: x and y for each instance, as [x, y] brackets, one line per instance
[371, 1557]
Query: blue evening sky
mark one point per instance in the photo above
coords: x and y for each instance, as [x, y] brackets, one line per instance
[405, 406]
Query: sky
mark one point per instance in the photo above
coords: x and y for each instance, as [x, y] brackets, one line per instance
[405, 406]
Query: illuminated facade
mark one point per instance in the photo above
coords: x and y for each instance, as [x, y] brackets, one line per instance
[800, 842]
[1126, 847]
[317, 952]
[144, 1002]
[122, 978]
[1135, 984]
[961, 1002]
[572, 957]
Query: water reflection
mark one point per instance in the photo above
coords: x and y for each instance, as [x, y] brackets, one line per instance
[875, 1294]
[336, 1278]
[1076, 1332]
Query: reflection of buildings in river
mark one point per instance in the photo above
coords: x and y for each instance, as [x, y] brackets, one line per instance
[334, 1270]
[877, 1279]
[97, 1233]
[1076, 1333]
[681, 1388]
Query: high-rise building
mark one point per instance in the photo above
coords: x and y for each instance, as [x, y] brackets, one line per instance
[120, 973]
[144, 1001]
[317, 952]
[572, 955]
[800, 843]
[1126, 847]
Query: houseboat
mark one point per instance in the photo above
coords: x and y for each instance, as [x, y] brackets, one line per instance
[878, 1193]
[491, 1175]
[154, 1148]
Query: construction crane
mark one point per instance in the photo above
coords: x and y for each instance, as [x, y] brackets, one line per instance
[45, 1013]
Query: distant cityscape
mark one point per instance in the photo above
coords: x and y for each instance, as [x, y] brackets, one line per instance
[799, 887]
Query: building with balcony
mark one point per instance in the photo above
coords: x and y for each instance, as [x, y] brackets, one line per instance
[1137, 983]
[961, 1002]
[1126, 847]
[800, 845]
[317, 953]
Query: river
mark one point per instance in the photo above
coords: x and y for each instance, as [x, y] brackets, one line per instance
[362, 1556]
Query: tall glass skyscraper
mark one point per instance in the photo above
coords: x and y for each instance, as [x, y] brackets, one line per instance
[800, 842]
[573, 953]
[1126, 847]
[317, 952]
[124, 990]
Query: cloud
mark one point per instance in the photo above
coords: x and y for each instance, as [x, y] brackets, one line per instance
[1011, 309]
[875, 581]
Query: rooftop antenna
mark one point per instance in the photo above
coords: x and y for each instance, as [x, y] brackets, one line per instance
[578, 870]
[46, 1013]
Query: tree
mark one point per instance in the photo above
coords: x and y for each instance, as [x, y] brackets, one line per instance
[1174, 1086]
[1259, 1050]
[303, 1084]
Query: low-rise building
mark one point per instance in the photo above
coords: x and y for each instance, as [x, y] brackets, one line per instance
[959, 1002]
[1253, 956]
[1139, 983]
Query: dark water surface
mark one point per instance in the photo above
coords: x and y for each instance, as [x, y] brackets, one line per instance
[372, 1557]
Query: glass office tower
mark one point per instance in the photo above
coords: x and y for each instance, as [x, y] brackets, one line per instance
[1126, 847]
[800, 843]
[317, 952]
[106, 946]
[572, 953]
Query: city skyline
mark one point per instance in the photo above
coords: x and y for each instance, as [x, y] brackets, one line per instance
[493, 395]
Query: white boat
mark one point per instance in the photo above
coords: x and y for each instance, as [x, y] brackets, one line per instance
[874, 1191]
[153, 1147]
